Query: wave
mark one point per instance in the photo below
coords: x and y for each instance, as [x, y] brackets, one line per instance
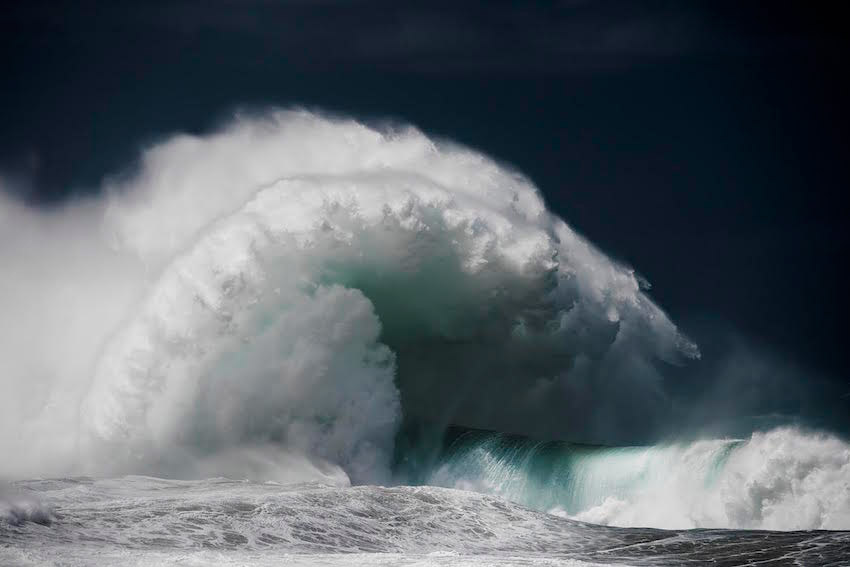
[18, 507]
[782, 479]
[290, 287]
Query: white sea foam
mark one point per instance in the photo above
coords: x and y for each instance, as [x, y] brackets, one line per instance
[779, 480]
[149, 521]
[17, 508]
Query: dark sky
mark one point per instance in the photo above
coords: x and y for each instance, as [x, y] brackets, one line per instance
[704, 143]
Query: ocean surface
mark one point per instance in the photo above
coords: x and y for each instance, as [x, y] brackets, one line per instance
[138, 520]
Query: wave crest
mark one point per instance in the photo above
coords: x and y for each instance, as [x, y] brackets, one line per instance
[301, 282]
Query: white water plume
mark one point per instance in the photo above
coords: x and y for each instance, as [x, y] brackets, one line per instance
[289, 287]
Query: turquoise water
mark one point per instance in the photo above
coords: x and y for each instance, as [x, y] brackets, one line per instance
[555, 475]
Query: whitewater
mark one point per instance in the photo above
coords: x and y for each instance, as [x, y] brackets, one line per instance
[221, 355]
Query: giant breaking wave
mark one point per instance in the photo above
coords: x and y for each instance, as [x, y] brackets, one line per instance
[272, 300]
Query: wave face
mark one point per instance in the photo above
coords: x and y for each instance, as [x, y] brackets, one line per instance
[268, 301]
[779, 480]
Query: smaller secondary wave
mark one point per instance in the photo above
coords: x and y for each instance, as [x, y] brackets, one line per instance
[782, 479]
[16, 509]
